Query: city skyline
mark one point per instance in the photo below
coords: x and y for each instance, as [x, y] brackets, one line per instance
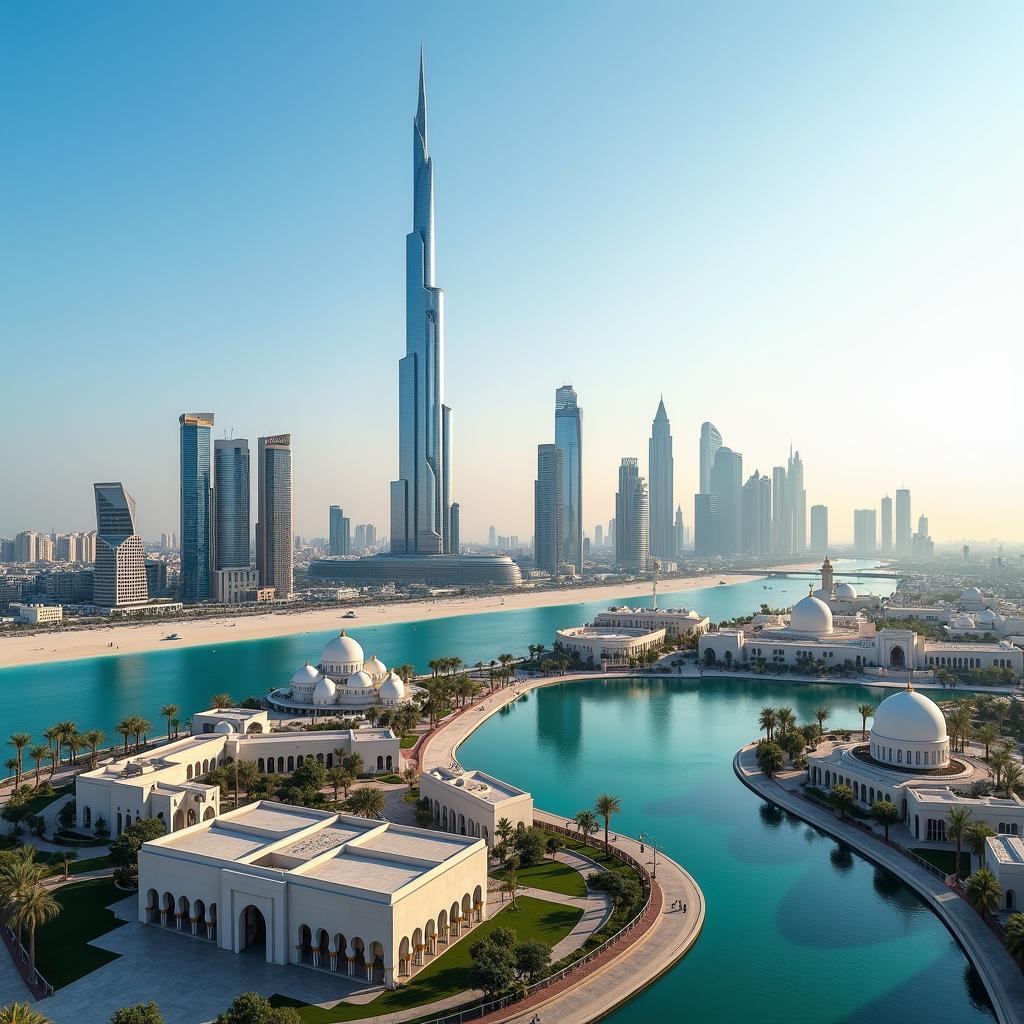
[350, 290]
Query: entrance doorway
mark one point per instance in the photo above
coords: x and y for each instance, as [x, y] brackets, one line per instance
[254, 931]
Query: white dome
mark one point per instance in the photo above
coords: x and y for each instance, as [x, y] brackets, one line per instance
[324, 690]
[223, 727]
[971, 594]
[376, 667]
[360, 680]
[341, 650]
[845, 592]
[811, 616]
[305, 678]
[962, 622]
[986, 617]
[908, 716]
[392, 688]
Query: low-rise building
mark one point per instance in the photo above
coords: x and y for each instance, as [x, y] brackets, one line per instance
[608, 646]
[39, 614]
[674, 621]
[471, 803]
[1005, 858]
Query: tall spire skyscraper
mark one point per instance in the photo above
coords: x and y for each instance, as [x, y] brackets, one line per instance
[660, 472]
[569, 440]
[421, 496]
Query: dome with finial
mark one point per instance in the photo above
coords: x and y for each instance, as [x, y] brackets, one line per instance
[810, 617]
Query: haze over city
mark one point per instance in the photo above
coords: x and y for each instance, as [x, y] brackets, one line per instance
[800, 223]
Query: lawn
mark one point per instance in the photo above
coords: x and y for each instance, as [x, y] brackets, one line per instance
[409, 742]
[552, 875]
[945, 860]
[36, 804]
[606, 861]
[447, 974]
[75, 867]
[62, 951]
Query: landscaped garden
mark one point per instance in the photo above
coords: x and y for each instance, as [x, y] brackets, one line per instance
[945, 860]
[552, 876]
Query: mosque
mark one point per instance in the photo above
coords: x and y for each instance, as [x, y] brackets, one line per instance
[341, 682]
[843, 597]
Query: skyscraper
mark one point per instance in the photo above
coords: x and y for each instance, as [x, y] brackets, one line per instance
[195, 429]
[797, 499]
[119, 580]
[549, 508]
[782, 523]
[569, 439]
[819, 530]
[421, 496]
[727, 486]
[678, 533]
[887, 525]
[632, 513]
[231, 518]
[339, 529]
[454, 529]
[598, 536]
[710, 442]
[705, 510]
[903, 532]
[660, 470]
[274, 513]
[757, 514]
[865, 540]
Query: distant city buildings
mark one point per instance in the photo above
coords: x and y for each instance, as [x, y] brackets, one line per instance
[705, 505]
[569, 441]
[632, 519]
[195, 429]
[865, 535]
[727, 486]
[549, 530]
[887, 541]
[710, 442]
[819, 530]
[757, 514]
[678, 533]
[661, 471]
[904, 544]
[120, 577]
[274, 514]
[340, 532]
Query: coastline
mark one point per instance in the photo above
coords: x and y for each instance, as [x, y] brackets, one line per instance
[18, 651]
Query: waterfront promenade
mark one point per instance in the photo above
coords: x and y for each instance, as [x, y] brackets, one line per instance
[1002, 978]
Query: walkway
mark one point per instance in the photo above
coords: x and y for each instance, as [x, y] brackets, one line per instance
[1003, 979]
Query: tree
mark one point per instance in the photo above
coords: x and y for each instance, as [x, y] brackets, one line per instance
[621, 889]
[22, 1013]
[411, 777]
[39, 753]
[124, 850]
[793, 744]
[841, 799]
[975, 834]
[552, 845]
[1013, 775]
[529, 844]
[786, 719]
[503, 829]
[367, 801]
[820, 715]
[866, 711]
[19, 740]
[93, 739]
[770, 757]
[141, 1013]
[30, 908]
[1013, 936]
[767, 720]
[886, 813]
[606, 805]
[586, 821]
[124, 728]
[140, 727]
[351, 762]
[170, 712]
[252, 1008]
[310, 775]
[510, 882]
[248, 774]
[956, 829]
[532, 959]
[987, 734]
[221, 701]
[493, 968]
[983, 891]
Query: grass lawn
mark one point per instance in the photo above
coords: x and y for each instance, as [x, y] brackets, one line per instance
[945, 860]
[37, 803]
[605, 860]
[78, 867]
[62, 952]
[552, 875]
[391, 778]
[408, 742]
[447, 974]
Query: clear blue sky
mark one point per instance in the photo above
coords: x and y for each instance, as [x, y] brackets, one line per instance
[800, 220]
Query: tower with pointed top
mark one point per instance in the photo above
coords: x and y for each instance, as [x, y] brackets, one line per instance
[421, 496]
[660, 474]
[569, 441]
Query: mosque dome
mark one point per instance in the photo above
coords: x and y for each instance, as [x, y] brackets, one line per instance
[909, 715]
[324, 691]
[962, 622]
[341, 650]
[986, 617]
[223, 727]
[845, 592]
[376, 667]
[971, 598]
[392, 688]
[360, 680]
[304, 679]
[810, 617]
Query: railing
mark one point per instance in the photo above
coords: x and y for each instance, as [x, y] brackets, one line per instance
[483, 1009]
[36, 982]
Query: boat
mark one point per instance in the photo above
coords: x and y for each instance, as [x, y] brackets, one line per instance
[173, 636]
[349, 615]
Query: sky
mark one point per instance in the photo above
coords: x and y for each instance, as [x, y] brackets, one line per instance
[801, 221]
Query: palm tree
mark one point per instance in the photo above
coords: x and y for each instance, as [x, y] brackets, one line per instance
[820, 714]
[956, 828]
[607, 805]
[983, 891]
[221, 701]
[22, 1013]
[1013, 936]
[976, 833]
[339, 778]
[786, 720]
[140, 726]
[124, 728]
[552, 845]
[767, 720]
[39, 753]
[74, 745]
[51, 737]
[998, 763]
[367, 801]
[987, 734]
[32, 907]
[1013, 775]
[19, 740]
[19, 873]
[92, 739]
[63, 733]
[587, 823]
[407, 673]
[503, 829]
[169, 711]
[372, 716]
[351, 762]
[248, 775]
[866, 711]
[11, 764]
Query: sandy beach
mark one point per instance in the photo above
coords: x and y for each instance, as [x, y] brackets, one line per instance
[128, 638]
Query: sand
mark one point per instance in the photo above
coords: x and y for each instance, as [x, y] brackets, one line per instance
[128, 638]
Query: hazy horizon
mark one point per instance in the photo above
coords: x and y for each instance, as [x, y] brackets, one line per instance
[802, 223]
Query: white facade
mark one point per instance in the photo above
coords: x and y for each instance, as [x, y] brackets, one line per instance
[234, 586]
[674, 621]
[1005, 857]
[607, 646]
[472, 803]
[39, 614]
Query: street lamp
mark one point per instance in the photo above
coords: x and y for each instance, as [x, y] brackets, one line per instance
[645, 837]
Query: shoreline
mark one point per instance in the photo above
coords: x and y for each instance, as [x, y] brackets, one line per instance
[20, 651]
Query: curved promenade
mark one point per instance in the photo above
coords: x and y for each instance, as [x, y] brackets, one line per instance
[636, 963]
[1003, 980]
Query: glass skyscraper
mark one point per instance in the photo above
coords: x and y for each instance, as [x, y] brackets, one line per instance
[196, 479]
[120, 575]
[274, 513]
[421, 496]
[569, 441]
[548, 509]
[660, 468]
[231, 504]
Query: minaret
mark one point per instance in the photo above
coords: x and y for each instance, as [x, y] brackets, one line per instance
[826, 576]
[421, 496]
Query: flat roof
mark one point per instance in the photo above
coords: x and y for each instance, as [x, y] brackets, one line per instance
[384, 876]
[1007, 849]
[477, 784]
[323, 840]
[435, 846]
[223, 843]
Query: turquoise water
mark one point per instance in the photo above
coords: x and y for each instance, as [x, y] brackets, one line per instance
[799, 928]
[98, 692]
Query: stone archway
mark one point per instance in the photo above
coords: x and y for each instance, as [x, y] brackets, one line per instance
[897, 657]
[253, 931]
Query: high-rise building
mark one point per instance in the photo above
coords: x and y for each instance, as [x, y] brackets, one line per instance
[166, 541]
[492, 537]
[421, 496]
[26, 547]
[727, 486]
[66, 548]
[865, 540]
[598, 535]
[569, 439]
[44, 548]
[87, 547]
[756, 519]
[710, 442]
[231, 518]
[705, 514]
[797, 499]
[903, 529]
[887, 525]
[339, 527]
[660, 471]
[632, 519]
[549, 531]
[678, 533]
[455, 528]
[274, 513]
[120, 577]
[819, 530]
[612, 536]
[782, 523]
[195, 430]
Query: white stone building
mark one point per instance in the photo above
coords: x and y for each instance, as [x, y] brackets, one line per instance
[326, 891]
[607, 646]
[674, 621]
[471, 803]
[1005, 857]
